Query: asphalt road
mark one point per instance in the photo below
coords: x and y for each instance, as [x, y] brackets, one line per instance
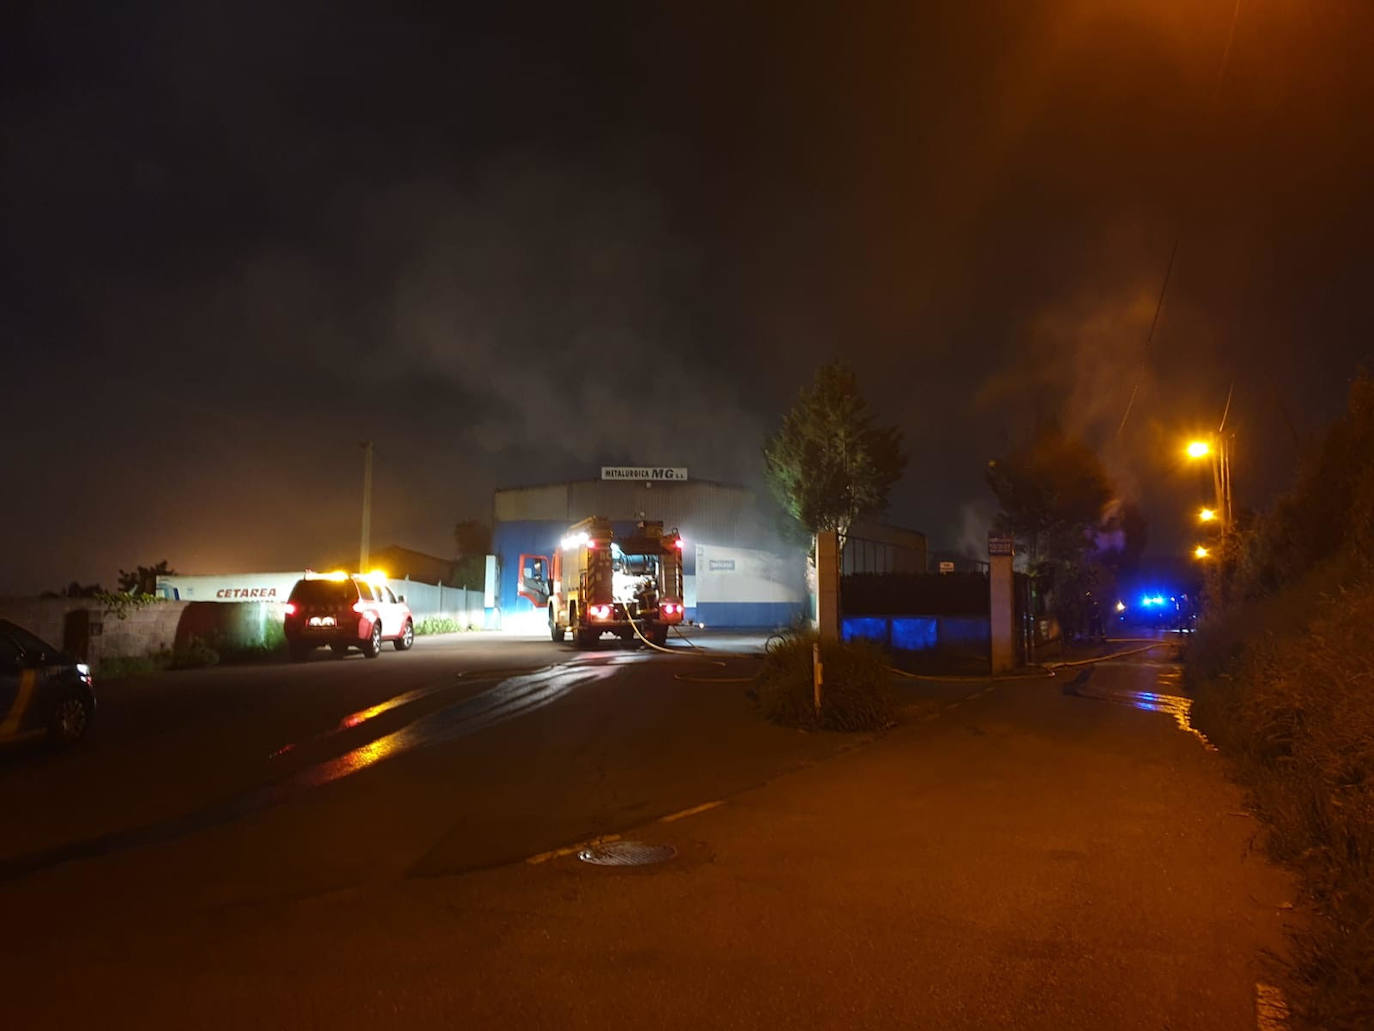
[346, 843]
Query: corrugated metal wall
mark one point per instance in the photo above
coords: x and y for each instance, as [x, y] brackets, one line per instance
[700, 509]
[532, 519]
[435, 601]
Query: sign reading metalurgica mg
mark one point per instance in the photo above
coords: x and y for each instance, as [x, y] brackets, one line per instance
[639, 472]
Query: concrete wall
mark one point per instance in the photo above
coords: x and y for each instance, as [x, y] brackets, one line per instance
[94, 634]
[86, 629]
[45, 617]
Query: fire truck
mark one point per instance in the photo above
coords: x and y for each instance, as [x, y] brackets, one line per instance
[600, 583]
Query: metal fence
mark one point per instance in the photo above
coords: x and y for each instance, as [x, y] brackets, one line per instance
[435, 601]
[865, 555]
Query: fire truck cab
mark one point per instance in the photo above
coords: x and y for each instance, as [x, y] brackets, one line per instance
[601, 583]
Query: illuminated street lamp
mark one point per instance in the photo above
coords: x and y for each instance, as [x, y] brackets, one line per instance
[1218, 450]
[1200, 551]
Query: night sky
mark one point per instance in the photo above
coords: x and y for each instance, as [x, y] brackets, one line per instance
[511, 243]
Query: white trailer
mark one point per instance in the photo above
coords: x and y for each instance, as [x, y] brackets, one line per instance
[226, 587]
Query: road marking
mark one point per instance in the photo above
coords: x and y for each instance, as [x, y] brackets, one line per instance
[684, 813]
[1271, 1009]
[544, 857]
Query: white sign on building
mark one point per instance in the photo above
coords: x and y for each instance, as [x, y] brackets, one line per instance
[640, 472]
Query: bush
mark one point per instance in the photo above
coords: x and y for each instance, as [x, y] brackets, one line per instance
[194, 654]
[273, 636]
[121, 667]
[436, 625]
[1295, 709]
[1283, 674]
[856, 693]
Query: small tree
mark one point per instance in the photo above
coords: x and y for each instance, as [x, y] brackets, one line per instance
[828, 464]
[472, 540]
[1052, 494]
[143, 579]
[1057, 500]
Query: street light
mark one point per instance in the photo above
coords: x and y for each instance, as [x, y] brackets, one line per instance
[1217, 448]
[1200, 552]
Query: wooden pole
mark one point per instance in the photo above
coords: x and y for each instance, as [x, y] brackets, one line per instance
[365, 545]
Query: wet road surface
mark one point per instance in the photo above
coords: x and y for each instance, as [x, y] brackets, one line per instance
[343, 844]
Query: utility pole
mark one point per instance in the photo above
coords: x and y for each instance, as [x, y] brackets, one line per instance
[1223, 469]
[1218, 489]
[365, 547]
[1226, 482]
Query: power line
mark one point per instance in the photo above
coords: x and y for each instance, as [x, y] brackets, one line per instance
[1178, 231]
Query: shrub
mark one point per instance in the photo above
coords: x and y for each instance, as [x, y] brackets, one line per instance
[121, 667]
[1283, 674]
[436, 625]
[1295, 709]
[856, 693]
[273, 636]
[194, 654]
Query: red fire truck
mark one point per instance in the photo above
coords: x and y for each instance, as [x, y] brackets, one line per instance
[600, 583]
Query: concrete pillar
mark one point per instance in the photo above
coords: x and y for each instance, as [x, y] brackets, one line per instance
[828, 585]
[1001, 604]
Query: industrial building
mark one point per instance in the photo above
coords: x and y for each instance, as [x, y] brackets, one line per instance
[736, 571]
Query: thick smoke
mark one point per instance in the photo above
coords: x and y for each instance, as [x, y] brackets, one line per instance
[573, 315]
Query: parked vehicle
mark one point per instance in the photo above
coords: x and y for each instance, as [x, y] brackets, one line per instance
[42, 689]
[346, 611]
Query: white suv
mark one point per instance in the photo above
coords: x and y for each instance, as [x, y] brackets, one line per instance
[346, 611]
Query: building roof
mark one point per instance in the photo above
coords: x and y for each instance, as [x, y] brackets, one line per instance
[597, 479]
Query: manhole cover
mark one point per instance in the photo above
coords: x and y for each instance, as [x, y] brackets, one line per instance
[626, 853]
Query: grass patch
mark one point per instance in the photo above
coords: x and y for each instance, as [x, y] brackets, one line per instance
[856, 694]
[437, 625]
[196, 653]
[123, 667]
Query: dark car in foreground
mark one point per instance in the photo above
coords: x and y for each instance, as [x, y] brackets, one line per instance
[43, 690]
[346, 612]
